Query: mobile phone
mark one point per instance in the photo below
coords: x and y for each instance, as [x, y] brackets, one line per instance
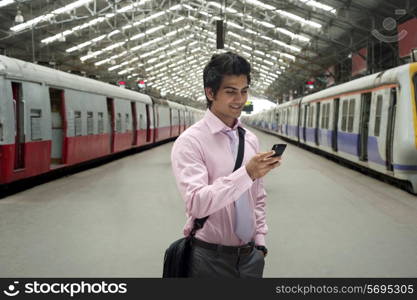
[279, 149]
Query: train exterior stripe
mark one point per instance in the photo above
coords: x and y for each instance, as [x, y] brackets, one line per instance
[83, 148]
[373, 151]
[405, 168]
[348, 143]
[37, 158]
[163, 133]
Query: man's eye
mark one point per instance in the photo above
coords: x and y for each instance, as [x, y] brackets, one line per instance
[230, 92]
[244, 92]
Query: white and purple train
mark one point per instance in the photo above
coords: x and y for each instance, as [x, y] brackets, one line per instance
[370, 122]
[51, 119]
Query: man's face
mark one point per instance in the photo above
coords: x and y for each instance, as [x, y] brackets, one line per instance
[229, 100]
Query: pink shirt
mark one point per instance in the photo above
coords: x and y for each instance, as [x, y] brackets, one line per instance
[203, 163]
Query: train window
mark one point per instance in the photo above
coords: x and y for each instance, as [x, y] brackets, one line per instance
[325, 113]
[35, 124]
[307, 115]
[127, 122]
[323, 116]
[1, 133]
[351, 115]
[77, 123]
[119, 122]
[378, 115]
[141, 122]
[328, 115]
[100, 123]
[310, 113]
[344, 115]
[288, 116]
[90, 124]
[312, 117]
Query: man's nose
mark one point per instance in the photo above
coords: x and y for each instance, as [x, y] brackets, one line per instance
[239, 96]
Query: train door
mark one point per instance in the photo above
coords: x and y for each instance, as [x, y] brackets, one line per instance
[306, 109]
[180, 120]
[335, 123]
[317, 126]
[184, 122]
[286, 121]
[148, 124]
[57, 124]
[110, 124]
[277, 117]
[171, 123]
[156, 118]
[390, 130]
[364, 125]
[298, 114]
[19, 116]
[134, 123]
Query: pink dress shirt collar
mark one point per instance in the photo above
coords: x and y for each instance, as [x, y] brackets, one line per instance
[216, 125]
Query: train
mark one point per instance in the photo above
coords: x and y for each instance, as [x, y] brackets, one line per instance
[50, 119]
[369, 122]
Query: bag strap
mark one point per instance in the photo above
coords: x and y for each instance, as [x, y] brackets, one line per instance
[241, 149]
[199, 223]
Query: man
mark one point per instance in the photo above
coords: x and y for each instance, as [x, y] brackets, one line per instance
[232, 241]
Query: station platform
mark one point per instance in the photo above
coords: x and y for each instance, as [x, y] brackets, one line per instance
[116, 220]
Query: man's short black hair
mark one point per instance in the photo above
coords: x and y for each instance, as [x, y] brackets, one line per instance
[224, 64]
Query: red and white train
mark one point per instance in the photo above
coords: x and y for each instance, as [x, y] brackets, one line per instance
[51, 119]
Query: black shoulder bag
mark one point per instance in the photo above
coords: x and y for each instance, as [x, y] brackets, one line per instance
[177, 256]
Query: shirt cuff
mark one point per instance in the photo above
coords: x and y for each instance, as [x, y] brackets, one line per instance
[260, 240]
[243, 181]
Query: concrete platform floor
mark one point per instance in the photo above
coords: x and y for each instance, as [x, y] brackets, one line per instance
[116, 220]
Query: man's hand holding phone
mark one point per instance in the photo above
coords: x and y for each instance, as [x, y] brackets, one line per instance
[262, 163]
[278, 149]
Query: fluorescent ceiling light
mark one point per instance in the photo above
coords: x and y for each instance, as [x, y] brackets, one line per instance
[260, 4]
[299, 19]
[6, 2]
[251, 31]
[319, 5]
[218, 5]
[266, 24]
[233, 24]
[93, 22]
[49, 16]
[293, 35]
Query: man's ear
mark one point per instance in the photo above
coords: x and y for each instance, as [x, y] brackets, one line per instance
[209, 94]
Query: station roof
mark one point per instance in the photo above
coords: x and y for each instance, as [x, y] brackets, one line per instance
[168, 42]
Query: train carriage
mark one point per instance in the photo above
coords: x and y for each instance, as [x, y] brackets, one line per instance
[178, 121]
[51, 119]
[370, 121]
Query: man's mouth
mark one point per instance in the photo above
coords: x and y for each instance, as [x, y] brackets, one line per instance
[236, 106]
